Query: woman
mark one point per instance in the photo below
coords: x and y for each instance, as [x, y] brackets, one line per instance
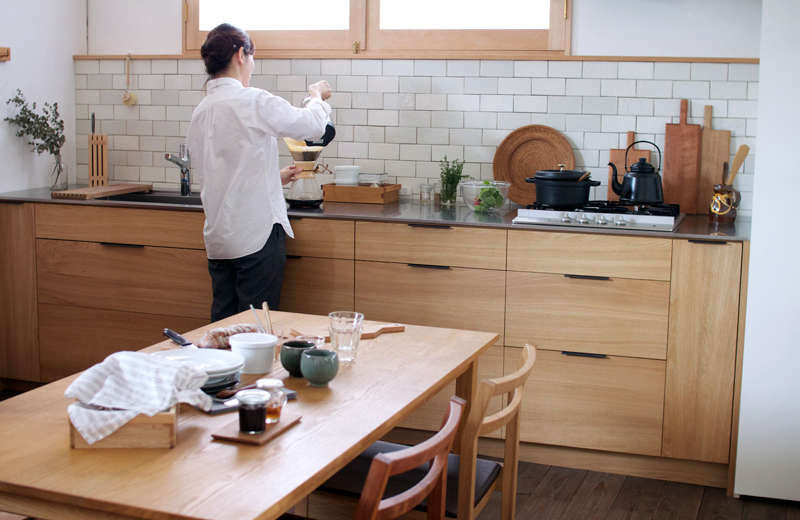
[234, 151]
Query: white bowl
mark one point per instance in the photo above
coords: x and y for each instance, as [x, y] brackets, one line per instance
[257, 349]
[346, 174]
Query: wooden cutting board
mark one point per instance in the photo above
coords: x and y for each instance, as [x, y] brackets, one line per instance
[98, 158]
[95, 192]
[682, 162]
[617, 157]
[716, 150]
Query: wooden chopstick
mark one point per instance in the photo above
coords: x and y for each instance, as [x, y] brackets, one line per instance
[265, 308]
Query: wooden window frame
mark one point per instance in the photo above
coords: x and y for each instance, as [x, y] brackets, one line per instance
[366, 39]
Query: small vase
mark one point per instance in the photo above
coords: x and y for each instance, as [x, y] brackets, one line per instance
[447, 196]
[58, 174]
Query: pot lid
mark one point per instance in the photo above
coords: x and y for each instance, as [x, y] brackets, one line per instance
[642, 166]
[559, 175]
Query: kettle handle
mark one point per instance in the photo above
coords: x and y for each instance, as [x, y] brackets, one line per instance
[648, 142]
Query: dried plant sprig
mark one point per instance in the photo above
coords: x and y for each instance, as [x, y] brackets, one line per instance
[45, 130]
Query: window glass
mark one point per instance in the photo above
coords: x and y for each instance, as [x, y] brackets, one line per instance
[261, 15]
[457, 14]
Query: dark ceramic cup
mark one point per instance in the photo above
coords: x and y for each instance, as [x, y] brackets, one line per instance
[319, 366]
[291, 352]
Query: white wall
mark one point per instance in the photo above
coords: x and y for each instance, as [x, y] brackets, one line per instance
[140, 27]
[43, 36]
[768, 457]
[707, 28]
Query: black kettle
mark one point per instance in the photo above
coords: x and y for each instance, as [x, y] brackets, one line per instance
[642, 184]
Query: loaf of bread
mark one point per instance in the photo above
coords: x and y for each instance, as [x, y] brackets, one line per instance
[220, 336]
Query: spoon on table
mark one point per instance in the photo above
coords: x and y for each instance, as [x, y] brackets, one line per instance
[230, 392]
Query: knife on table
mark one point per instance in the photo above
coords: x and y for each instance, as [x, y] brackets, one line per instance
[177, 338]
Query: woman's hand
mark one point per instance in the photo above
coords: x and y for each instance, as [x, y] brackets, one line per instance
[320, 89]
[289, 174]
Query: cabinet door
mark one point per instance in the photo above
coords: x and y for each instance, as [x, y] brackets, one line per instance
[612, 403]
[615, 316]
[75, 338]
[457, 298]
[19, 346]
[172, 282]
[322, 238]
[701, 355]
[317, 285]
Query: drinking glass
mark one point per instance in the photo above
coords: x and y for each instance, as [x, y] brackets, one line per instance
[345, 329]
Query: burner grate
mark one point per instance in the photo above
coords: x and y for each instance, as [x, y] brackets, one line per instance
[615, 207]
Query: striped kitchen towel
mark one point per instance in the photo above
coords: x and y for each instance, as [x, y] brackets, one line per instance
[125, 384]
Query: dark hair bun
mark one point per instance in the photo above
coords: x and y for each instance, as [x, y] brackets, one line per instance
[222, 42]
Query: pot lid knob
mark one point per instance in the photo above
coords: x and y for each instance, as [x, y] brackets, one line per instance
[642, 166]
[561, 167]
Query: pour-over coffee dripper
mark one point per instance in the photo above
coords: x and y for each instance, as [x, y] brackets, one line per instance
[305, 191]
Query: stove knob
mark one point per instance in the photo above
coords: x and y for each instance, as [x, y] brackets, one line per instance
[584, 219]
[566, 218]
[620, 222]
[601, 220]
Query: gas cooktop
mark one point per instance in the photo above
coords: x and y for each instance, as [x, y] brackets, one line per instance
[604, 214]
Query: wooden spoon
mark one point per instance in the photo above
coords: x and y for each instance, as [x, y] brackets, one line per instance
[738, 159]
[584, 176]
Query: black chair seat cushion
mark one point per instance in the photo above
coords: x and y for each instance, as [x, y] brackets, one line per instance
[350, 480]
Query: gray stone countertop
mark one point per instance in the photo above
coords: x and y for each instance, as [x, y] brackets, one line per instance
[695, 227]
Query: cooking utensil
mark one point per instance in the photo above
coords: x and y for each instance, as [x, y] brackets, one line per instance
[258, 319]
[562, 194]
[230, 392]
[738, 159]
[584, 177]
[527, 150]
[177, 338]
[98, 158]
[616, 156]
[714, 153]
[682, 162]
[265, 308]
[642, 184]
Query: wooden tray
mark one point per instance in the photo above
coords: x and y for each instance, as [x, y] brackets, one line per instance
[231, 431]
[526, 150]
[158, 431]
[94, 192]
[382, 194]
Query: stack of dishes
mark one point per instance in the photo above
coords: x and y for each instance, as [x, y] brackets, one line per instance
[222, 366]
[346, 174]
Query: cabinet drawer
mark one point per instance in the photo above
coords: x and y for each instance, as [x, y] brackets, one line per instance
[610, 316]
[456, 298]
[598, 255]
[74, 338]
[149, 227]
[613, 404]
[435, 245]
[156, 280]
[429, 416]
[317, 285]
[322, 238]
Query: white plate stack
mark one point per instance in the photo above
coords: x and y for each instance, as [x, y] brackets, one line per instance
[346, 175]
[222, 366]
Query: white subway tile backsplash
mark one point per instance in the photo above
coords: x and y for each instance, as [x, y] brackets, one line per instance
[479, 153]
[150, 81]
[292, 83]
[635, 70]
[416, 118]
[617, 87]
[87, 97]
[278, 67]
[564, 69]
[467, 136]
[384, 151]
[447, 119]
[124, 142]
[415, 152]
[743, 72]
[465, 102]
[600, 69]
[133, 127]
[586, 123]
[575, 139]
[112, 67]
[177, 82]
[530, 103]
[697, 108]
[513, 120]
[729, 89]
[81, 82]
[493, 138]
[583, 87]
[672, 71]
[165, 128]
[140, 158]
[153, 174]
[367, 100]
[402, 134]
[396, 67]
[382, 84]
[141, 66]
[497, 68]
[369, 134]
[87, 67]
[111, 97]
[514, 86]
[690, 89]
[122, 82]
[153, 144]
[81, 111]
[490, 103]
[463, 67]
[127, 112]
[480, 120]
[351, 117]
[165, 67]
[564, 104]
[451, 151]
[666, 107]
[191, 97]
[126, 173]
[305, 67]
[599, 141]
[179, 113]
[557, 121]
[709, 71]
[112, 127]
[599, 105]
[354, 150]
[742, 108]
[654, 88]
[102, 111]
[351, 83]
[417, 85]
[752, 128]
[432, 136]
[480, 85]
[635, 107]
[399, 101]
[153, 113]
[618, 123]
[371, 165]
[431, 101]
[400, 168]
[99, 81]
[447, 85]
[735, 126]
[199, 81]
[530, 69]
[430, 170]
[430, 68]
[193, 67]
[654, 125]
[548, 86]
[752, 90]
[586, 158]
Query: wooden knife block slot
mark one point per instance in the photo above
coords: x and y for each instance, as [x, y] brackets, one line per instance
[98, 160]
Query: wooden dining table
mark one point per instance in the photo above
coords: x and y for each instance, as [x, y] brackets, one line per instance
[41, 476]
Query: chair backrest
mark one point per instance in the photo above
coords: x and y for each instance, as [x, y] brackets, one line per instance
[478, 423]
[433, 485]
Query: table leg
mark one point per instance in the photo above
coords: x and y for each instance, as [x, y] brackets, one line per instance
[466, 386]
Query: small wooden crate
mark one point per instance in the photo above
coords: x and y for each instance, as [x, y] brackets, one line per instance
[382, 194]
[158, 431]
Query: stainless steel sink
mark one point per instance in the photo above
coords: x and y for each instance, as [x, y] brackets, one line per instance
[159, 197]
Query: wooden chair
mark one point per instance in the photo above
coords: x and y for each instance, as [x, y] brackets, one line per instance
[371, 505]
[471, 480]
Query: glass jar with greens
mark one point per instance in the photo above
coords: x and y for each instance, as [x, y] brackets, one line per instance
[451, 174]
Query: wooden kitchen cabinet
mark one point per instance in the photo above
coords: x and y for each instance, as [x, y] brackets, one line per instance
[322, 238]
[317, 285]
[701, 354]
[615, 316]
[19, 345]
[612, 403]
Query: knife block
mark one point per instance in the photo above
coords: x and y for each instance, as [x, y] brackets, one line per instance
[98, 160]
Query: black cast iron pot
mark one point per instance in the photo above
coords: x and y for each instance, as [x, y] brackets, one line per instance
[561, 188]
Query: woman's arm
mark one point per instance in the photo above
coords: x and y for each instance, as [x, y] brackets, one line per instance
[284, 120]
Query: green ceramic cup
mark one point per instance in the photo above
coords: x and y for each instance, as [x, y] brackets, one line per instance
[293, 349]
[319, 366]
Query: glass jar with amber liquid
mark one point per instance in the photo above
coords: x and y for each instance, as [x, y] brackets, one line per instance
[277, 399]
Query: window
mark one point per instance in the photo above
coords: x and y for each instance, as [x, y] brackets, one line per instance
[386, 28]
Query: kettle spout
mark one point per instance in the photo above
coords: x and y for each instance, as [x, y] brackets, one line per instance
[615, 184]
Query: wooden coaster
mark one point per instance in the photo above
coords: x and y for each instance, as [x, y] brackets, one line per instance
[231, 431]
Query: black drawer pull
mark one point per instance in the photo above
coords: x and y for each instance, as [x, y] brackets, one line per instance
[118, 244]
[710, 242]
[583, 354]
[293, 257]
[587, 277]
[429, 266]
[292, 217]
[431, 226]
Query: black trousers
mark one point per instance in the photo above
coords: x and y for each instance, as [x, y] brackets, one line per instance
[249, 280]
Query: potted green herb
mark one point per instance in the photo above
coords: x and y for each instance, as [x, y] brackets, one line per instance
[45, 133]
[451, 174]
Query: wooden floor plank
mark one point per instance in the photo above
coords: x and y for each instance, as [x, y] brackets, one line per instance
[552, 496]
[717, 505]
[637, 500]
[679, 502]
[761, 509]
[529, 477]
[595, 495]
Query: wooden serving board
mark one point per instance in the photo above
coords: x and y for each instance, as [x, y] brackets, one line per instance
[94, 192]
[231, 430]
[367, 332]
[382, 194]
[716, 150]
[682, 162]
[617, 157]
